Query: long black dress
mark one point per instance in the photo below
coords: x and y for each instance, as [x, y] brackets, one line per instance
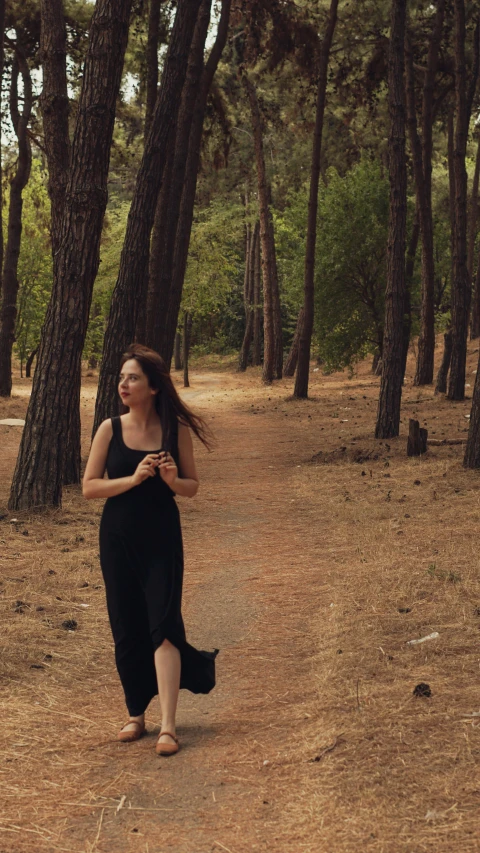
[141, 556]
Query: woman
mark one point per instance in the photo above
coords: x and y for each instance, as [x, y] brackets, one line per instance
[148, 455]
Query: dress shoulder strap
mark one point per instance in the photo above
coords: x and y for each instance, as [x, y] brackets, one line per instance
[116, 427]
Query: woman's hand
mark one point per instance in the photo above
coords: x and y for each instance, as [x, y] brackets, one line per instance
[168, 468]
[146, 468]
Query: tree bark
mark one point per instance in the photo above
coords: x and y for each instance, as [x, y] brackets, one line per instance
[2, 66]
[441, 384]
[152, 62]
[167, 213]
[472, 450]
[8, 312]
[149, 316]
[56, 385]
[306, 329]
[472, 233]
[409, 268]
[475, 329]
[131, 286]
[55, 108]
[257, 307]
[184, 227]
[273, 348]
[249, 288]
[178, 351]
[461, 286]
[292, 358]
[29, 362]
[422, 162]
[187, 334]
[388, 417]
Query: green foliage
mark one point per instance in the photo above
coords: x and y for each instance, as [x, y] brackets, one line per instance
[35, 263]
[213, 288]
[351, 264]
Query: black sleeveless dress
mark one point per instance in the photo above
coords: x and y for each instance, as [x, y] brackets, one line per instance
[141, 556]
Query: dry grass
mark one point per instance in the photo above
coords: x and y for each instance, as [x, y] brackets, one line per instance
[312, 577]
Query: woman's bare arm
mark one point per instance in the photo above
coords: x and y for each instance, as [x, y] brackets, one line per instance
[186, 483]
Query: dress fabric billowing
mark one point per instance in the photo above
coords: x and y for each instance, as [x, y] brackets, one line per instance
[141, 556]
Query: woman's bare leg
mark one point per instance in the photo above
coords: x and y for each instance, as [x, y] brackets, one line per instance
[167, 665]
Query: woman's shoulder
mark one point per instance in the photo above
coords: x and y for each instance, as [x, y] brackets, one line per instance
[106, 428]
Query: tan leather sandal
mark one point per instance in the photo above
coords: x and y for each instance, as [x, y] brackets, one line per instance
[167, 748]
[133, 734]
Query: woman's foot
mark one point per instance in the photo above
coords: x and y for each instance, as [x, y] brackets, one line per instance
[134, 729]
[167, 744]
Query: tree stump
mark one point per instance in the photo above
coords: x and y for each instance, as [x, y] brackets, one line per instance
[417, 439]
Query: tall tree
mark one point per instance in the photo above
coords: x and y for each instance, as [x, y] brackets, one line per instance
[168, 210]
[272, 324]
[185, 219]
[461, 287]
[388, 416]
[55, 395]
[131, 286]
[422, 160]
[249, 296]
[153, 38]
[18, 182]
[306, 328]
[472, 234]
[2, 65]
[257, 307]
[55, 107]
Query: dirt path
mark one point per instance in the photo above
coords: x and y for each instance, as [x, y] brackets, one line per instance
[310, 579]
[218, 790]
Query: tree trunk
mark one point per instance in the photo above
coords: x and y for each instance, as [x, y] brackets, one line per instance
[271, 310]
[249, 288]
[56, 385]
[422, 161]
[257, 306]
[151, 313]
[409, 268]
[178, 351]
[131, 286]
[475, 328]
[2, 65]
[187, 333]
[461, 286]
[306, 328]
[8, 313]
[55, 108]
[167, 215]
[441, 385]
[472, 450]
[152, 62]
[292, 358]
[184, 227]
[388, 417]
[472, 233]
[29, 362]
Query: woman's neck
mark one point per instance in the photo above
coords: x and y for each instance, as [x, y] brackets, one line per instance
[143, 417]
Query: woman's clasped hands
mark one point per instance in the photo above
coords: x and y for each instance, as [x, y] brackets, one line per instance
[162, 462]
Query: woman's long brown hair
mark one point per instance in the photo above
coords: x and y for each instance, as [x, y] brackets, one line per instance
[168, 404]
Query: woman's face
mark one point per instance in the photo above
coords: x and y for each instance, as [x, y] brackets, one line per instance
[133, 384]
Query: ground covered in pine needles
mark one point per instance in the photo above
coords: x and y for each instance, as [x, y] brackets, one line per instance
[314, 554]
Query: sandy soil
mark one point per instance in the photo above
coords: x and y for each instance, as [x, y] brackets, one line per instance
[310, 576]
